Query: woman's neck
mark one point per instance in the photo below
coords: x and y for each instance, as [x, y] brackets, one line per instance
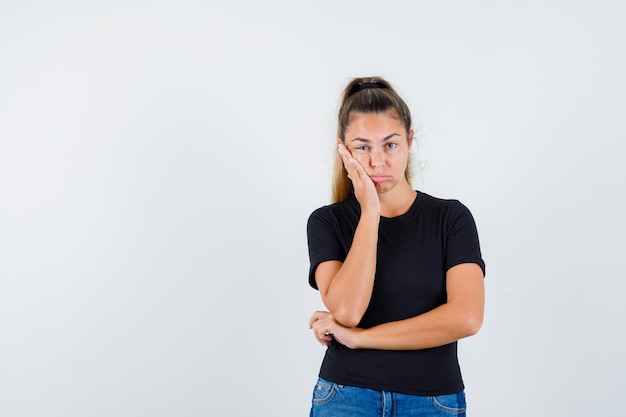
[397, 201]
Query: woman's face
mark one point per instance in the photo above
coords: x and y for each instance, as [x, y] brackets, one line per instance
[381, 144]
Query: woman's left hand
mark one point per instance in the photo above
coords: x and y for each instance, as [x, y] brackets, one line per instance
[325, 328]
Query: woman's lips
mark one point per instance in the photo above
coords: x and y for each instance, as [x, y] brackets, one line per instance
[379, 178]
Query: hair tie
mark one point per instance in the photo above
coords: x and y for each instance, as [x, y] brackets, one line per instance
[364, 86]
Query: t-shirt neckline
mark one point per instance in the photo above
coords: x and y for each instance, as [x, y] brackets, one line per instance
[411, 209]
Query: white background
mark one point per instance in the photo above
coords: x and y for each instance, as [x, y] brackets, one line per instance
[159, 160]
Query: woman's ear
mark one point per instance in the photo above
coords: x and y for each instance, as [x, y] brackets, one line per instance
[409, 138]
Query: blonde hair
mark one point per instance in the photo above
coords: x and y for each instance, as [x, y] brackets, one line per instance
[365, 95]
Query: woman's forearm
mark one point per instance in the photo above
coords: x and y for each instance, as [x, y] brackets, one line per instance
[438, 327]
[348, 291]
[460, 317]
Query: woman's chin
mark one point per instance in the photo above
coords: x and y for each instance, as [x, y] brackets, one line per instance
[383, 187]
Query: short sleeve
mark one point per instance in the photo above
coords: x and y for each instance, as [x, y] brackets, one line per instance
[462, 243]
[324, 241]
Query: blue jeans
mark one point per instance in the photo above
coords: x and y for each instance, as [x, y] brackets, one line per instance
[333, 400]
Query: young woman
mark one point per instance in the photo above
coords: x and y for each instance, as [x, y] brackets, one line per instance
[399, 271]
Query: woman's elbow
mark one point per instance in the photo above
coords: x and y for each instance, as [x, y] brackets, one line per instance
[347, 317]
[472, 324]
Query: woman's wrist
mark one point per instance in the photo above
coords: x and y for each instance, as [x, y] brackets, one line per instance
[355, 340]
[371, 215]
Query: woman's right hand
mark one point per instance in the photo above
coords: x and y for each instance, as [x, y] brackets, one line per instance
[364, 188]
[326, 328]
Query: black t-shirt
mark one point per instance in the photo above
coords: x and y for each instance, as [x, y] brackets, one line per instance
[414, 252]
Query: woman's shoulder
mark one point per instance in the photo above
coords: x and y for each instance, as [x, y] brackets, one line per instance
[348, 207]
[438, 201]
[337, 216]
[449, 206]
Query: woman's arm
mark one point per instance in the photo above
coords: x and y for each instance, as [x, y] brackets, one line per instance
[346, 287]
[459, 317]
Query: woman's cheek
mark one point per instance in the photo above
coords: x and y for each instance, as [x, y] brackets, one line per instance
[362, 158]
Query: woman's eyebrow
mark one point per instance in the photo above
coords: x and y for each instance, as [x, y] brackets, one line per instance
[386, 138]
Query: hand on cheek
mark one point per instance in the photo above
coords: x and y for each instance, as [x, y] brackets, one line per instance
[364, 187]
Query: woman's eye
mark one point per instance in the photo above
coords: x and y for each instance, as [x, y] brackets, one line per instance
[362, 148]
[391, 145]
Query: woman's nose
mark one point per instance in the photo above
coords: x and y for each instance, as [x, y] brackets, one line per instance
[376, 159]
